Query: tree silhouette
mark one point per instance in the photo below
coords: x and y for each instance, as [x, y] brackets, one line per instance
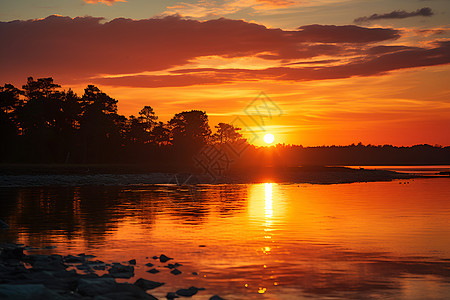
[160, 134]
[99, 125]
[148, 118]
[226, 133]
[9, 102]
[190, 129]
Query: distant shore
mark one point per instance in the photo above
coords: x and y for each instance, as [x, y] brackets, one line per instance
[74, 175]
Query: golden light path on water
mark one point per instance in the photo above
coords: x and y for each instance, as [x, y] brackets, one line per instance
[387, 240]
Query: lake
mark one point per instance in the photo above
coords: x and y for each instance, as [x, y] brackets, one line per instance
[376, 240]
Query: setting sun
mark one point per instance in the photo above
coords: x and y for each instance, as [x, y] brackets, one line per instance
[269, 138]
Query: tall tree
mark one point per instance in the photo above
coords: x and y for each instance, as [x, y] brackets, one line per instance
[226, 133]
[148, 118]
[9, 103]
[190, 129]
[99, 125]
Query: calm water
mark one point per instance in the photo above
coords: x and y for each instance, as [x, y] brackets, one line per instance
[381, 240]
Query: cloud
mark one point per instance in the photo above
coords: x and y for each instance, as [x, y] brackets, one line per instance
[86, 47]
[107, 2]
[344, 34]
[153, 52]
[204, 8]
[380, 61]
[396, 14]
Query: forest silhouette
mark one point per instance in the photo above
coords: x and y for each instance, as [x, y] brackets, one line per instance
[40, 123]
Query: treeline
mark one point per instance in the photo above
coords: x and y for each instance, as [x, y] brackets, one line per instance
[40, 123]
[354, 155]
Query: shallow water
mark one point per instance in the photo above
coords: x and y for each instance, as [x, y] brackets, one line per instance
[379, 240]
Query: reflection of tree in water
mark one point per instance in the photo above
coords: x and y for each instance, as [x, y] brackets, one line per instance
[192, 204]
[41, 216]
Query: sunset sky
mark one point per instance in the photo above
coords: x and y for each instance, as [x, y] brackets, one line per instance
[341, 71]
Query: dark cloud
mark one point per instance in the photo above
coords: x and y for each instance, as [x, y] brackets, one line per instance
[380, 60]
[344, 34]
[85, 49]
[396, 14]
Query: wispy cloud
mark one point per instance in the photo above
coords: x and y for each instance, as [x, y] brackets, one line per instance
[205, 8]
[107, 2]
[396, 14]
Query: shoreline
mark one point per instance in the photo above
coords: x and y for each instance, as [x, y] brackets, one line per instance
[126, 175]
[67, 277]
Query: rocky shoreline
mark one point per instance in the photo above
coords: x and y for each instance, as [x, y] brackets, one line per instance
[57, 277]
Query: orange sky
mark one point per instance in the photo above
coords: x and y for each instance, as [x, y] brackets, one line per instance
[340, 78]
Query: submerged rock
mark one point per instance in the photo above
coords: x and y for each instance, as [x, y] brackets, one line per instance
[173, 266]
[189, 292]
[147, 284]
[121, 271]
[164, 258]
[70, 259]
[132, 262]
[172, 295]
[153, 271]
[215, 297]
[175, 272]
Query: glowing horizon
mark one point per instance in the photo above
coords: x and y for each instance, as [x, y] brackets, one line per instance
[372, 74]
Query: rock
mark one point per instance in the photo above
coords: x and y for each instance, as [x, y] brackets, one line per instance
[147, 284]
[164, 258]
[129, 291]
[172, 295]
[70, 259]
[83, 267]
[96, 262]
[86, 256]
[124, 296]
[155, 257]
[132, 262]
[107, 288]
[173, 266]
[215, 297]
[188, 292]
[175, 272]
[153, 271]
[121, 271]
[194, 273]
[99, 267]
[27, 292]
[149, 264]
[97, 286]
[48, 263]
[11, 252]
[49, 247]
